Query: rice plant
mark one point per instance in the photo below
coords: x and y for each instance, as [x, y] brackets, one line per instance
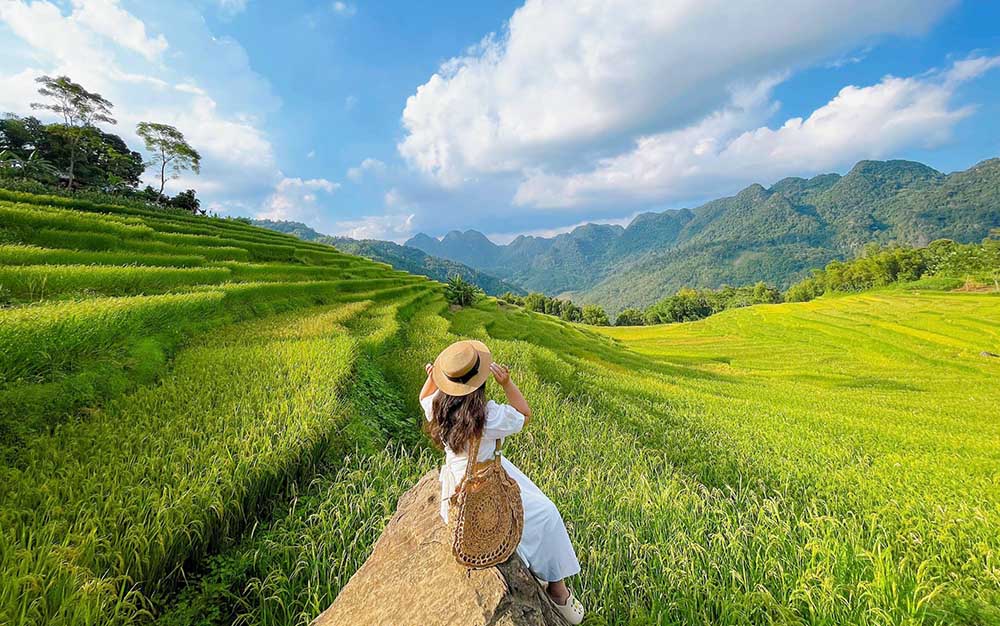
[229, 453]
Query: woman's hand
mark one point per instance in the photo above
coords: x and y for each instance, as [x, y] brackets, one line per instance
[500, 373]
[429, 385]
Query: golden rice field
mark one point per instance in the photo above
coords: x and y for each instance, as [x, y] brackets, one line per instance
[202, 422]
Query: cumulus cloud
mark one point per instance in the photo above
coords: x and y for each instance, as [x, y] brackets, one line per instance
[367, 166]
[393, 227]
[296, 199]
[859, 122]
[106, 18]
[569, 79]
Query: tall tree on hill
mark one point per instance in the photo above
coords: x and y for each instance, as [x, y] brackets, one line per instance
[79, 108]
[169, 149]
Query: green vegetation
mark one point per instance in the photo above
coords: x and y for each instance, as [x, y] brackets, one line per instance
[75, 154]
[943, 259]
[688, 305]
[227, 449]
[822, 463]
[563, 309]
[169, 149]
[461, 293]
[774, 235]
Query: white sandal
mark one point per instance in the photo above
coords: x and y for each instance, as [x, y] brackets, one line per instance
[572, 611]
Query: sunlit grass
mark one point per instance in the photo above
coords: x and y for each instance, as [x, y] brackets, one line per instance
[220, 454]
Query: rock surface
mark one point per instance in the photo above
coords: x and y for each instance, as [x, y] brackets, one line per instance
[412, 579]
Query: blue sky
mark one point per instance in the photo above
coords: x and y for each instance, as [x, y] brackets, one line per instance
[384, 119]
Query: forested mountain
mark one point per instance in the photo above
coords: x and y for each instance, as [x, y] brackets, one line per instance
[400, 257]
[772, 234]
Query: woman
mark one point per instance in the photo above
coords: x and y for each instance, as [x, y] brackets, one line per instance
[454, 401]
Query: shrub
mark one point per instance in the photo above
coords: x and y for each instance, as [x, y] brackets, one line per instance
[460, 292]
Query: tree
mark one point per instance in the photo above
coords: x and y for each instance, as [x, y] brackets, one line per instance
[570, 312]
[79, 108]
[629, 317]
[991, 248]
[34, 167]
[186, 200]
[594, 315]
[461, 292]
[21, 135]
[535, 302]
[169, 148]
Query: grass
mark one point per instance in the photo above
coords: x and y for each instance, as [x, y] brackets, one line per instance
[159, 475]
[826, 463]
[229, 451]
[38, 282]
[33, 255]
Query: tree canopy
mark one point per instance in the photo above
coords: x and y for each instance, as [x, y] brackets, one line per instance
[169, 149]
[80, 110]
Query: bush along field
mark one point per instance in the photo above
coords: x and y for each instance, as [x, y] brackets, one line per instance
[226, 449]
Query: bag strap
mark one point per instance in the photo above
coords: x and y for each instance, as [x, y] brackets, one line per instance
[470, 465]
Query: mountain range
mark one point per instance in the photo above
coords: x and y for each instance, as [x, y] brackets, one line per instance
[773, 234]
[400, 257]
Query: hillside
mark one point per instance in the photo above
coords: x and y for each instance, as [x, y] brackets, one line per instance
[772, 234]
[407, 259]
[204, 422]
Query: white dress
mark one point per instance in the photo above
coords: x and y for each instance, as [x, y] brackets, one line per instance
[545, 547]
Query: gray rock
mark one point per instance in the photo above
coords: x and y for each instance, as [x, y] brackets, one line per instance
[412, 579]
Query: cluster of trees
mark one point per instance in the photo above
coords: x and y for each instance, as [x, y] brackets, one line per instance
[563, 309]
[76, 154]
[879, 267]
[688, 305]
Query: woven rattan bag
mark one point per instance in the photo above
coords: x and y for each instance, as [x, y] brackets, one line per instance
[486, 513]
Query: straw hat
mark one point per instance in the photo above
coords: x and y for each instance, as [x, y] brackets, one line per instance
[462, 367]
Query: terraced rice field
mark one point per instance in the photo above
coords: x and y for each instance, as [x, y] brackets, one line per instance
[226, 449]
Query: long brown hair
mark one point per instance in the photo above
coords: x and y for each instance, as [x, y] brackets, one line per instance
[458, 419]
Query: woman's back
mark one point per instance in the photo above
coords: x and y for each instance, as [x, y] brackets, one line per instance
[502, 420]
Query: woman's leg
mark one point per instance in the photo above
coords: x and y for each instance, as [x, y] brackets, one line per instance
[558, 591]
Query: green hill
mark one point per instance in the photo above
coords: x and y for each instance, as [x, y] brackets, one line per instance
[774, 235]
[407, 259]
[204, 422]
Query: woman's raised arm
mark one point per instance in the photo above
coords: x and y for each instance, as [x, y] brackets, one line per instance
[429, 385]
[514, 396]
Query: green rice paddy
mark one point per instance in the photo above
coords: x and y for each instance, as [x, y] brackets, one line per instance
[206, 423]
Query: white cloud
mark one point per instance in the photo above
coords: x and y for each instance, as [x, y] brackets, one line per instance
[343, 8]
[106, 18]
[860, 122]
[568, 80]
[296, 199]
[393, 198]
[505, 238]
[350, 102]
[393, 227]
[232, 7]
[368, 165]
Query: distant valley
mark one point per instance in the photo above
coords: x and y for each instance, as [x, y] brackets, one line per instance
[403, 258]
[772, 234]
